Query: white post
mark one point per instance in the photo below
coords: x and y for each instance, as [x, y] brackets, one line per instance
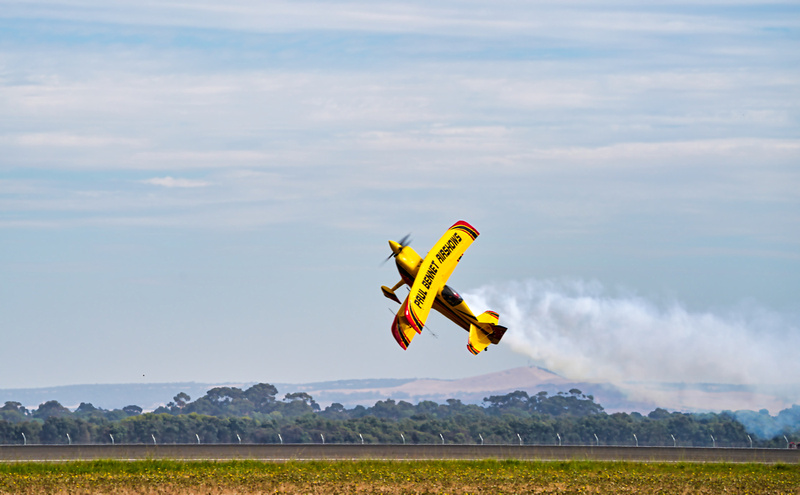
[674, 442]
[198, 438]
[596, 440]
[404, 438]
[239, 438]
[637, 440]
[280, 438]
[559, 439]
[713, 442]
[154, 438]
[69, 440]
[323, 438]
[112, 438]
[751, 441]
[520, 439]
[24, 439]
[362, 438]
[787, 441]
[440, 436]
[481, 436]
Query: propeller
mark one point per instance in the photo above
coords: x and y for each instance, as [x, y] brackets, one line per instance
[405, 241]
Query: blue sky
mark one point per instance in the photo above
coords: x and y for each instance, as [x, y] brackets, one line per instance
[204, 191]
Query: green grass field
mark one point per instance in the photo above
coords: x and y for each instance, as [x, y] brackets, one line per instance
[395, 477]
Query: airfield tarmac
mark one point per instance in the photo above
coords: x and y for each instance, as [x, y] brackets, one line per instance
[272, 452]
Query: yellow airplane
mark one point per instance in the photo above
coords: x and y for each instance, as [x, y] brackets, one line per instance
[427, 278]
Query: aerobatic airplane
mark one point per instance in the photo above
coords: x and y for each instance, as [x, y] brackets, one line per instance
[427, 278]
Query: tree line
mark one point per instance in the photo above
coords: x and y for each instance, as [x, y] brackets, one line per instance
[257, 415]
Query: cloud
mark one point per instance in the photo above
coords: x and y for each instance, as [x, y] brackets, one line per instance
[563, 19]
[173, 182]
[67, 140]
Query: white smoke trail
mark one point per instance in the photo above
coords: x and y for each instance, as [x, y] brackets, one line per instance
[581, 332]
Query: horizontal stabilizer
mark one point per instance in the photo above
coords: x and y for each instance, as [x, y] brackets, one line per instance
[478, 340]
[389, 293]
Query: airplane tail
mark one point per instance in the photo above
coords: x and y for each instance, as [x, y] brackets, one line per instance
[488, 333]
[489, 317]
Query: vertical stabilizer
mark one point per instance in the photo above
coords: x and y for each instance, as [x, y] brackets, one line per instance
[489, 317]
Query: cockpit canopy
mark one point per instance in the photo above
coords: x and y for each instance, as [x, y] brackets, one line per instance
[451, 296]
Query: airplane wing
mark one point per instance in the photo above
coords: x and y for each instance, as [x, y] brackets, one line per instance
[434, 271]
[401, 330]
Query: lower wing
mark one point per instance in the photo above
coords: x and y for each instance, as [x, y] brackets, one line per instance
[401, 330]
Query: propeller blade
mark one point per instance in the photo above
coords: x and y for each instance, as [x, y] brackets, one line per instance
[405, 241]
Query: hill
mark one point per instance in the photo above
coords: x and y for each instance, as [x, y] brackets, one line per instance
[641, 397]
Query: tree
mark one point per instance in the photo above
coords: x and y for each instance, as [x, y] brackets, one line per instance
[514, 400]
[56, 428]
[181, 399]
[301, 397]
[335, 411]
[262, 395]
[658, 413]
[14, 412]
[88, 412]
[392, 410]
[132, 410]
[14, 406]
[224, 395]
[221, 401]
[574, 404]
[51, 408]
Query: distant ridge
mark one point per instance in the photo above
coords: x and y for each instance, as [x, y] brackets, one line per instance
[365, 391]
[471, 390]
[148, 396]
[350, 393]
[465, 389]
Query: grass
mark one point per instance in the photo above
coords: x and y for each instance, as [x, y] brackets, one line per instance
[394, 477]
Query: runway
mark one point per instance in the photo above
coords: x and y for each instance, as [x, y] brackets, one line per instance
[302, 452]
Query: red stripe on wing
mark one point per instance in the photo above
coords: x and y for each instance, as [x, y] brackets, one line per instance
[466, 228]
[412, 318]
[399, 336]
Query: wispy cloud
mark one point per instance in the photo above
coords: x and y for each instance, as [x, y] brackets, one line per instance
[444, 17]
[171, 182]
[63, 139]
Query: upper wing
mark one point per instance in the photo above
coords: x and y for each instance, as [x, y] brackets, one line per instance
[434, 271]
